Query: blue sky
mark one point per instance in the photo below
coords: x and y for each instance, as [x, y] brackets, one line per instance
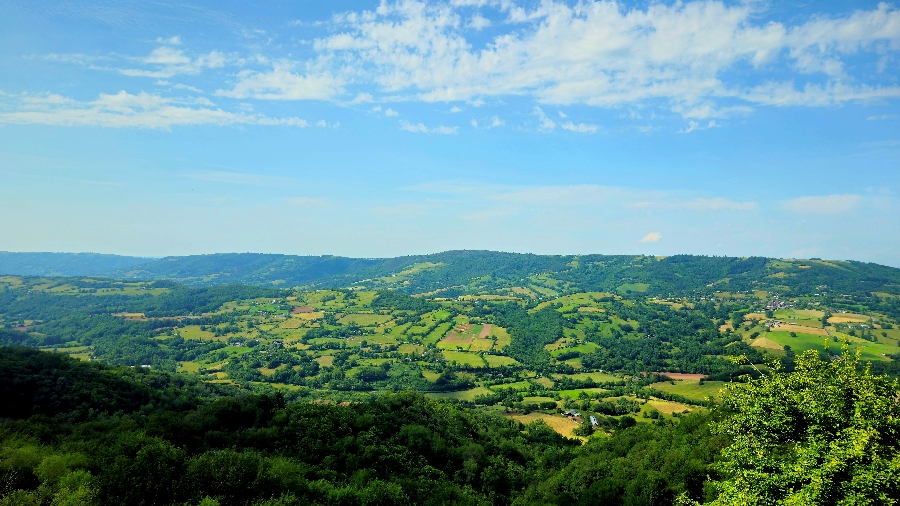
[369, 129]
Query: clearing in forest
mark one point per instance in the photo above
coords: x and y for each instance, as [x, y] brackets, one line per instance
[559, 423]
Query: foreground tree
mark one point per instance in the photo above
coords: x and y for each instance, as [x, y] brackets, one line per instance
[826, 433]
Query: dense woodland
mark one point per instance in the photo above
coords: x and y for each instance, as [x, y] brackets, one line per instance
[77, 433]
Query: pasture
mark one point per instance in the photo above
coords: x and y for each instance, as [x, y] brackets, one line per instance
[668, 407]
[365, 320]
[559, 423]
[499, 360]
[581, 348]
[802, 342]
[463, 358]
[463, 395]
[597, 377]
[575, 393]
[633, 287]
[692, 389]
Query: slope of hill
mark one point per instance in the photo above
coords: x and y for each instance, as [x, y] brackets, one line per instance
[66, 264]
[454, 273]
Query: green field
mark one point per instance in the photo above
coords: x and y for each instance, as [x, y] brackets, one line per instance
[518, 385]
[463, 395]
[576, 393]
[692, 389]
[463, 358]
[435, 335]
[582, 348]
[599, 377]
[633, 287]
[499, 360]
[802, 342]
[365, 320]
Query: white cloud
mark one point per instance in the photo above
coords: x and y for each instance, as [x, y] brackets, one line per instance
[321, 123]
[123, 109]
[172, 41]
[455, 109]
[497, 122]
[363, 98]
[377, 108]
[547, 124]
[390, 112]
[693, 125]
[604, 53]
[562, 115]
[179, 86]
[882, 117]
[475, 123]
[166, 62]
[479, 22]
[282, 84]
[422, 129]
[824, 204]
[652, 237]
[581, 128]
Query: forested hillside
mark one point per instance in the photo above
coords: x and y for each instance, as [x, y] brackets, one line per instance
[455, 273]
[66, 264]
[82, 434]
[155, 441]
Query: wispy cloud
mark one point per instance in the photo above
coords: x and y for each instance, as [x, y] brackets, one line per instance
[697, 204]
[306, 201]
[172, 41]
[283, 84]
[401, 210]
[479, 22]
[581, 128]
[143, 110]
[652, 237]
[165, 62]
[422, 129]
[823, 204]
[694, 126]
[547, 124]
[239, 178]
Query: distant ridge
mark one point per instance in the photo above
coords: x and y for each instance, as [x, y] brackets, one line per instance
[464, 272]
[66, 264]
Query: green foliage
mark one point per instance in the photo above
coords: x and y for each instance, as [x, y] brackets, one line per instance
[530, 332]
[252, 449]
[826, 433]
[649, 464]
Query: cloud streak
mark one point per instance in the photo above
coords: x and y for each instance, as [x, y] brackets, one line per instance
[420, 128]
[823, 204]
[143, 110]
[283, 84]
